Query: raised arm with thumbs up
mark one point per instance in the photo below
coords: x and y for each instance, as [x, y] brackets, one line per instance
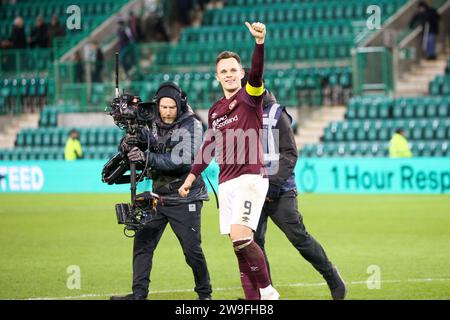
[258, 31]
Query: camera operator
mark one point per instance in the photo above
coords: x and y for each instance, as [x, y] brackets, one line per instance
[174, 119]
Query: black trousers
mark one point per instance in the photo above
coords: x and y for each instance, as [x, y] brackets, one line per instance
[284, 213]
[185, 222]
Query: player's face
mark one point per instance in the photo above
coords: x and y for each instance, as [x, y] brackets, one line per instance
[167, 110]
[229, 74]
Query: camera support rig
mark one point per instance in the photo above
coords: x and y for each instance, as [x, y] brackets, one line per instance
[130, 114]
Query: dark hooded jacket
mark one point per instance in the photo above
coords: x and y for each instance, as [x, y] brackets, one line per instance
[171, 154]
[430, 16]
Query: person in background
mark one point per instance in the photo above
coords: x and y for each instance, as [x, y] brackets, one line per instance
[73, 150]
[97, 68]
[126, 40]
[78, 67]
[398, 146]
[428, 18]
[39, 35]
[55, 29]
[154, 145]
[281, 205]
[17, 39]
[135, 26]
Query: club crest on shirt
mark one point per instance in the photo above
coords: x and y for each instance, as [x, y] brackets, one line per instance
[214, 115]
[232, 104]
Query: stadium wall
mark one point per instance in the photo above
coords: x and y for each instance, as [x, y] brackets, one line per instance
[313, 175]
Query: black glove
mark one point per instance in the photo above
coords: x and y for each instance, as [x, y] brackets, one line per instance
[147, 200]
[128, 143]
[274, 192]
[136, 155]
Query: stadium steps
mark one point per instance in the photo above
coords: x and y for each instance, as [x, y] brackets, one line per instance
[15, 124]
[312, 129]
[417, 80]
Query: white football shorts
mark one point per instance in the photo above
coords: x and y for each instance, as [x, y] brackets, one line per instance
[241, 200]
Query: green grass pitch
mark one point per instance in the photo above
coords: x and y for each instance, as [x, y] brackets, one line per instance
[406, 238]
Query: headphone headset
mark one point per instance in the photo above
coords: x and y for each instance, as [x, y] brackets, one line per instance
[181, 95]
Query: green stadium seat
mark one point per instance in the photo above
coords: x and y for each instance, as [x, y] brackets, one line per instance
[101, 137]
[445, 89]
[37, 138]
[373, 110]
[46, 138]
[340, 131]
[372, 132]
[328, 135]
[362, 111]
[361, 133]
[363, 149]
[441, 133]
[420, 111]
[434, 87]
[384, 133]
[416, 133]
[428, 150]
[83, 137]
[20, 139]
[408, 111]
[431, 110]
[443, 110]
[428, 131]
[91, 137]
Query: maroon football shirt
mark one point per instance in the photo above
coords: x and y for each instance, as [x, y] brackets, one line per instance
[234, 129]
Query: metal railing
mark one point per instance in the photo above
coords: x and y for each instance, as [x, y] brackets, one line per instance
[408, 50]
[373, 70]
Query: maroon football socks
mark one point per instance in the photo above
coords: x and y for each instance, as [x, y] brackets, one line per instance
[252, 266]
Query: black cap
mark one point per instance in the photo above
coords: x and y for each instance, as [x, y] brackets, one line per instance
[171, 90]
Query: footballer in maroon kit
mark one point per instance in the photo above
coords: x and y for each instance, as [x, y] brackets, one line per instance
[233, 138]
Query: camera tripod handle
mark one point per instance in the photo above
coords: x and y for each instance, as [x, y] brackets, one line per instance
[117, 92]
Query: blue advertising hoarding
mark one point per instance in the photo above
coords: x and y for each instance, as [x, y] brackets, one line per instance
[315, 175]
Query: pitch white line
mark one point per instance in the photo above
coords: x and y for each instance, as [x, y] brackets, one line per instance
[235, 288]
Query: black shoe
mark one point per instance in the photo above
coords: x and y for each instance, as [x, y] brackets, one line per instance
[204, 298]
[336, 285]
[130, 296]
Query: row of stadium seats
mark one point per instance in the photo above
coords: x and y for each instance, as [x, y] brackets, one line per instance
[287, 84]
[284, 31]
[57, 136]
[87, 23]
[54, 153]
[252, 3]
[48, 117]
[292, 12]
[25, 60]
[188, 54]
[267, 2]
[32, 9]
[374, 149]
[382, 130]
[386, 107]
[304, 86]
[39, 86]
[24, 94]
[37, 59]
[440, 85]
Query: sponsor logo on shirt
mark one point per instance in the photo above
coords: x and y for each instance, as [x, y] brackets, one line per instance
[223, 121]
